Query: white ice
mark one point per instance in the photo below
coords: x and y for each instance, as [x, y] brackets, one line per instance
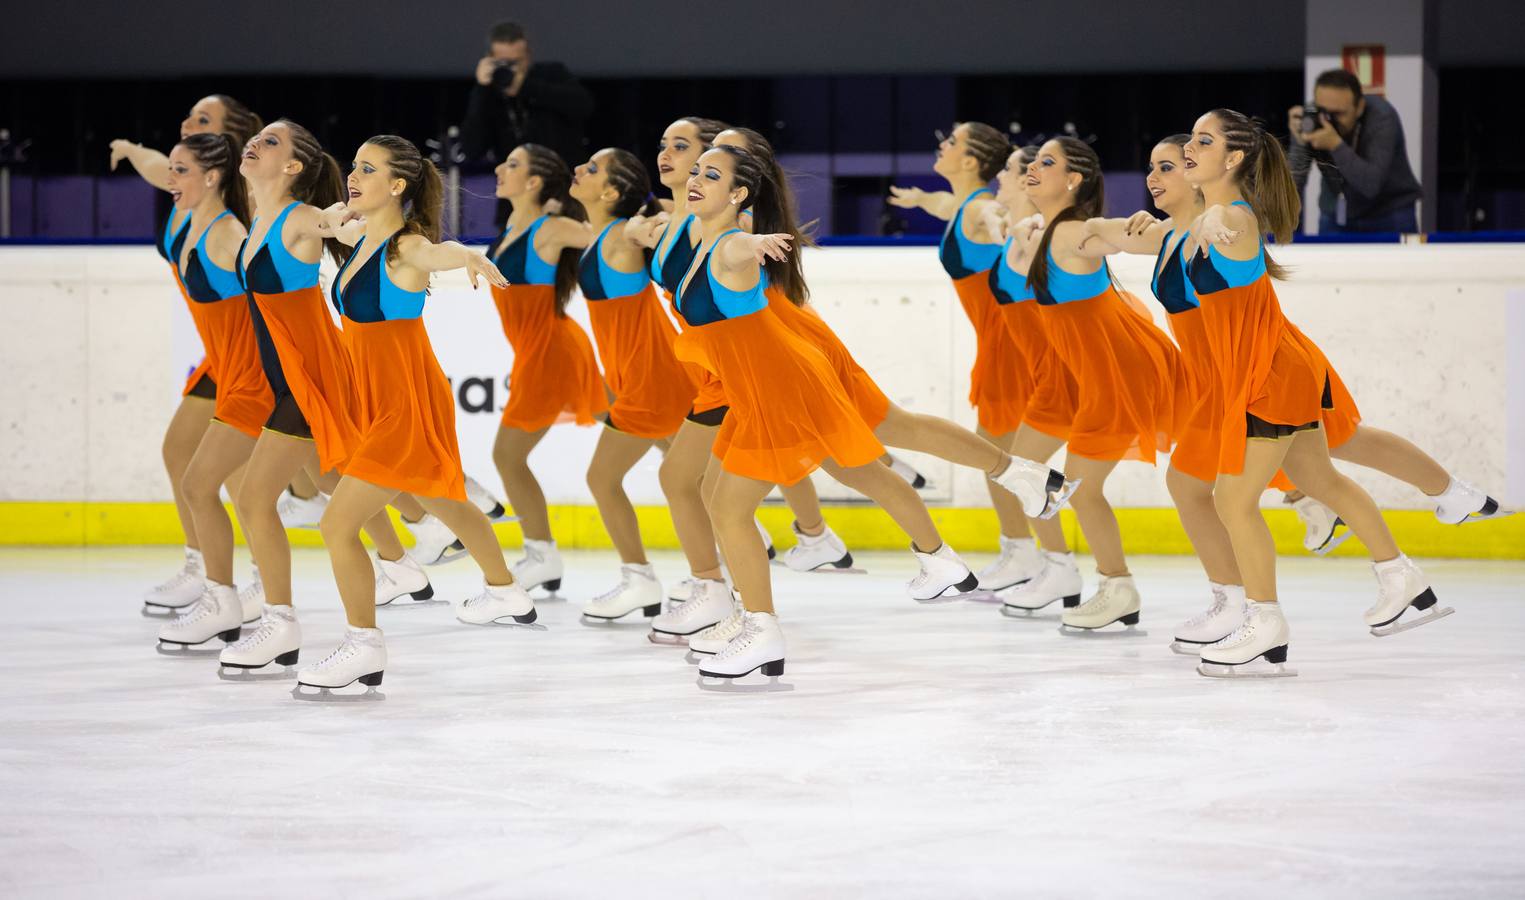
[940, 752]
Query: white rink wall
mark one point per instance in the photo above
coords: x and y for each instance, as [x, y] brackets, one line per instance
[95, 343]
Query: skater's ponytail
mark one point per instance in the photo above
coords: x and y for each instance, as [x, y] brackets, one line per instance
[1264, 178]
[320, 183]
[423, 194]
[759, 147]
[1090, 202]
[555, 184]
[772, 213]
[218, 153]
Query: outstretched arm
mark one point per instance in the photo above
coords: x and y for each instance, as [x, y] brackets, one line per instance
[938, 203]
[742, 251]
[340, 223]
[1140, 233]
[560, 232]
[645, 231]
[152, 165]
[420, 253]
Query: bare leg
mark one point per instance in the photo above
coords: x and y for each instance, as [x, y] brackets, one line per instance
[734, 505]
[302, 486]
[681, 474]
[181, 439]
[1307, 463]
[475, 532]
[1008, 509]
[805, 503]
[616, 454]
[1396, 456]
[378, 527]
[941, 438]
[352, 504]
[410, 508]
[272, 464]
[1030, 443]
[223, 449]
[511, 453]
[1097, 520]
[1194, 504]
[1237, 499]
[895, 496]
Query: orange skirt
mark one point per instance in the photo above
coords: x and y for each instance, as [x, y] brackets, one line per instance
[709, 393]
[999, 382]
[244, 400]
[1197, 439]
[201, 370]
[1128, 374]
[405, 411]
[789, 410]
[554, 371]
[652, 392]
[866, 396]
[1054, 398]
[316, 368]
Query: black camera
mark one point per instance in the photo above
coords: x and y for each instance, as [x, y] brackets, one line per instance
[1311, 118]
[503, 74]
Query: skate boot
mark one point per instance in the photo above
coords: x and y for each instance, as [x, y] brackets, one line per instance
[297, 512]
[1115, 600]
[822, 552]
[682, 590]
[905, 470]
[767, 539]
[1058, 580]
[1400, 588]
[498, 604]
[180, 591]
[711, 604]
[1461, 502]
[1320, 525]
[218, 614]
[760, 645]
[403, 578]
[361, 656]
[943, 577]
[714, 638]
[1210, 627]
[1020, 561]
[1256, 649]
[433, 542]
[1042, 491]
[540, 567]
[276, 640]
[484, 500]
[638, 590]
[251, 599]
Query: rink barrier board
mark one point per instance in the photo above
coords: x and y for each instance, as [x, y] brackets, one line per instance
[1145, 531]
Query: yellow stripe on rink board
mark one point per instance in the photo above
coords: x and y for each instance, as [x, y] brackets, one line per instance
[863, 527]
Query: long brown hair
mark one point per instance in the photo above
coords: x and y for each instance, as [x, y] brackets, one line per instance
[555, 184]
[631, 183]
[708, 128]
[768, 200]
[319, 183]
[218, 153]
[1090, 200]
[238, 120]
[423, 194]
[1264, 178]
[793, 288]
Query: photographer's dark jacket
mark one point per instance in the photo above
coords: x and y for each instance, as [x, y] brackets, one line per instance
[1371, 168]
[551, 109]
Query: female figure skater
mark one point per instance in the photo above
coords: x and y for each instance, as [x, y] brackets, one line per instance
[788, 409]
[1275, 385]
[204, 182]
[554, 371]
[406, 410]
[651, 392]
[999, 382]
[1126, 370]
[216, 114]
[313, 424]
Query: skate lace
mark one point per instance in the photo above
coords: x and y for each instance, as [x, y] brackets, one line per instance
[615, 591]
[177, 579]
[738, 644]
[1220, 601]
[1243, 632]
[261, 632]
[286, 506]
[382, 578]
[199, 610]
[344, 651]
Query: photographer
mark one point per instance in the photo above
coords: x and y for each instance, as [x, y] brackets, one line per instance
[1357, 142]
[516, 100]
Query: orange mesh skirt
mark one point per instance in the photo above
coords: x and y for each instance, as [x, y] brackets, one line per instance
[316, 368]
[999, 382]
[865, 394]
[789, 410]
[1128, 375]
[201, 370]
[244, 400]
[405, 411]
[554, 371]
[1054, 398]
[652, 391]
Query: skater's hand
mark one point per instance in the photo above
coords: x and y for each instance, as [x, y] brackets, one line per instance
[551, 207]
[1139, 222]
[338, 214]
[1025, 229]
[772, 246]
[906, 198]
[1212, 228]
[479, 265]
[995, 220]
[120, 150]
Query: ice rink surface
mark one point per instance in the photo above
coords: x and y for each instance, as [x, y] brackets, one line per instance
[939, 751]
